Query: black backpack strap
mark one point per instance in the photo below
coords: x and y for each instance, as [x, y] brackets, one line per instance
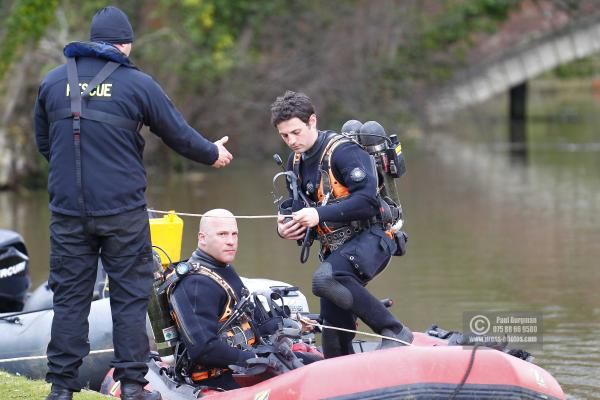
[74, 93]
[96, 115]
[77, 113]
[84, 112]
[75, 97]
[100, 77]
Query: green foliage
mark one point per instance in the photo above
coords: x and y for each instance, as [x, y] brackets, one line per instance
[209, 30]
[444, 35]
[204, 31]
[25, 24]
[459, 19]
[222, 61]
[582, 68]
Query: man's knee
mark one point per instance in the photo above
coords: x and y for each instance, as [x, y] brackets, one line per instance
[323, 280]
[325, 285]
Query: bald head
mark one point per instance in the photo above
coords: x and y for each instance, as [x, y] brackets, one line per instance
[214, 217]
[218, 235]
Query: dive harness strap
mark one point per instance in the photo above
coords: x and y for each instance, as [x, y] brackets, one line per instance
[330, 189]
[326, 171]
[173, 278]
[334, 141]
[200, 373]
[231, 297]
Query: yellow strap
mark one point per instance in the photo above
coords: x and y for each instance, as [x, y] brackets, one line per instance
[337, 188]
[202, 270]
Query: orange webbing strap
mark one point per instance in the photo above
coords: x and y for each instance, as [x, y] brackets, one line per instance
[202, 270]
[296, 164]
[231, 297]
[334, 185]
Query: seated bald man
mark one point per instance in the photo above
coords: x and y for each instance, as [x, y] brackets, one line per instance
[204, 299]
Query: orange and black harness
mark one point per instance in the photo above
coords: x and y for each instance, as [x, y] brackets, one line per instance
[331, 190]
[237, 333]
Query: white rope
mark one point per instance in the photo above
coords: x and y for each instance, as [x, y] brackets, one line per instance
[335, 328]
[216, 216]
[44, 357]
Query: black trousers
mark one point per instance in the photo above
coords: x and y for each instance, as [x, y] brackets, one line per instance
[123, 243]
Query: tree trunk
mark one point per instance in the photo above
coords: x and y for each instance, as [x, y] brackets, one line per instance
[13, 157]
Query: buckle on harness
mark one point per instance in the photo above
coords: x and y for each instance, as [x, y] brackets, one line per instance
[76, 123]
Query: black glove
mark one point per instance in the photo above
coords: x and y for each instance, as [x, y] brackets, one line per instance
[267, 366]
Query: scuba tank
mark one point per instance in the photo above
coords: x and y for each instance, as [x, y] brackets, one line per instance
[166, 233]
[386, 152]
[352, 128]
[163, 327]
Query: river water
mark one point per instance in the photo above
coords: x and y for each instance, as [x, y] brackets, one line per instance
[488, 231]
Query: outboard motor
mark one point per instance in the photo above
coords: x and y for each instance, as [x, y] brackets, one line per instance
[14, 271]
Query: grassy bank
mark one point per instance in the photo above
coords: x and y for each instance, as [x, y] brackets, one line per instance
[18, 387]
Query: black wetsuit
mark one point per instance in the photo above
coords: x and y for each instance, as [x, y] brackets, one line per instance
[199, 303]
[341, 287]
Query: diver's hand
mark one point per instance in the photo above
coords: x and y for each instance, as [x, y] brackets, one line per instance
[288, 229]
[307, 217]
[225, 156]
[307, 324]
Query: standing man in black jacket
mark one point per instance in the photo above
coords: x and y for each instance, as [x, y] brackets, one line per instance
[87, 119]
[338, 176]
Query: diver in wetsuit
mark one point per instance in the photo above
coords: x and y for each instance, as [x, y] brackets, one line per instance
[338, 177]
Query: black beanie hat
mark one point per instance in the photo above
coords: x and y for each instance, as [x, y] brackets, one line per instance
[111, 25]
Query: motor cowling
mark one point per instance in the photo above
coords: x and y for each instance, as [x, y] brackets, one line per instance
[14, 271]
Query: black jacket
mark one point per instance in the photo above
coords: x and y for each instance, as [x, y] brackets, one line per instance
[199, 302]
[113, 174]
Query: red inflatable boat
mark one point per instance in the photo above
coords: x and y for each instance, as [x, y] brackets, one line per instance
[429, 369]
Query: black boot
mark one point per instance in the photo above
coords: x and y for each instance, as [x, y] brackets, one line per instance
[135, 391]
[59, 393]
[405, 335]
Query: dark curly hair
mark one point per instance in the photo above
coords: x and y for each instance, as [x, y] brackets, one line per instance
[291, 105]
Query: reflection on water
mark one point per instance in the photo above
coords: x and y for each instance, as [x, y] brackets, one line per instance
[484, 234]
[518, 238]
